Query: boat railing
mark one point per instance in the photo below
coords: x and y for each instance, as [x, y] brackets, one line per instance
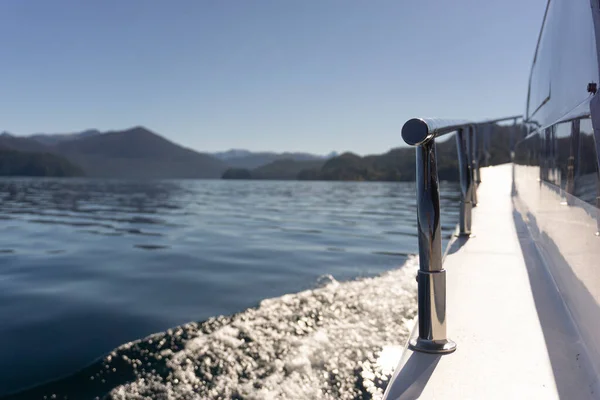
[422, 132]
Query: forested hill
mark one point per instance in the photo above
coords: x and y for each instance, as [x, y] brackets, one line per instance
[20, 163]
[132, 153]
[396, 165]
[139, 153]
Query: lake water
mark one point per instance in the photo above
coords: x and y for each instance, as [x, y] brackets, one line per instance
[89, 265]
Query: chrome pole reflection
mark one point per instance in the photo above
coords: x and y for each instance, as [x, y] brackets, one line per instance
[476, 155]
[487, 133]
[421, 132]
[466, 184]
[572, 161]
[431, 276]
[471, 159]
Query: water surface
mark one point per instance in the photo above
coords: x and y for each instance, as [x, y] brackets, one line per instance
[87, 265]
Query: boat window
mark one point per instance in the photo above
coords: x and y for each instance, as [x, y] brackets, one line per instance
[547, 155]
[566, 156]
[562, 151]
[539, 82]
[527, 152]
[586, 173]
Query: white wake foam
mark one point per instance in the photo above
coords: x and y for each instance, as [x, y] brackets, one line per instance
[339, 341]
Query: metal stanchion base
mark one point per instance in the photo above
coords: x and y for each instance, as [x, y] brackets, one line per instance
[445, 346]
[464, 235]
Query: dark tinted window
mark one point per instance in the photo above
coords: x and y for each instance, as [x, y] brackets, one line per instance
[586, 175]
[527, 152]
[566, 155]
[561, 139]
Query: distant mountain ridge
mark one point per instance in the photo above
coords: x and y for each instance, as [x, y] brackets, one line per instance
[19, 163]
[231, 154]
[239, 158]
[140, 153]
[284, 169]
[136, 153]
[395, 165]
[54, 138]
[21, 156]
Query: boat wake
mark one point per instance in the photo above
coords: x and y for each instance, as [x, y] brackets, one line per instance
[337, 341]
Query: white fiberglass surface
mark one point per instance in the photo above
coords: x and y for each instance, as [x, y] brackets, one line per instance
[565, 229]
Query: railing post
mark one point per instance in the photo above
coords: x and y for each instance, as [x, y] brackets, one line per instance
[476, 155]
[572, 161]
[431, 276]
[466, 184]
[471, 145]
[487, 133]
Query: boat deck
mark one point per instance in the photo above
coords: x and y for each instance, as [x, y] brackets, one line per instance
[515, 338]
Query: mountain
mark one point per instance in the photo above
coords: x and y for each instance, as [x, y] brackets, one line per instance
[399, 164]
[18, 163]
[54, 138]
[26, 157]
[237, 158]
[19, 143]
[138, 153]
[396, 165]
[286, 169]
[133, 153]
[231, 154]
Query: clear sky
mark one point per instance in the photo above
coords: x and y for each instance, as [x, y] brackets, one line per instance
[303, 75]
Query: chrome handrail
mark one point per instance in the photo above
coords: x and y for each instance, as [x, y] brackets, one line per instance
[432, 276]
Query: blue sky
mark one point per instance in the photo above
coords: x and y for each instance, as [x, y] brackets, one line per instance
[305, 75]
